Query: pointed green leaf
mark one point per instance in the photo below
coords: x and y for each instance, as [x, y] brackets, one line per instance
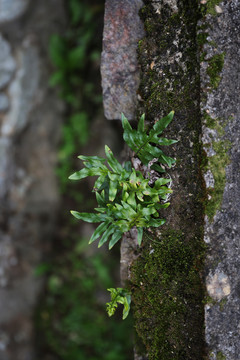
[128, 134]
[158, 168]
[131, 200]
[100, 199]
[160, 182]
[161, 124]
[85, 172]
[115, 238]
[166, 142]
[113, 163]
[106, 235]
[99, 182]
[148, 211]
[123, 225]
[141, 123]
[99, 230]
[113, 190]
[92, 159]
[88, 217]
[125, 123]
[162, 206]
[156, 222]
[126, 308]
[167, 160]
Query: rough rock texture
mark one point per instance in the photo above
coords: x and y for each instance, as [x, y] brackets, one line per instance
[30, 116]
[166, 278]
[119, 66]
[220, 84]
[189, 62]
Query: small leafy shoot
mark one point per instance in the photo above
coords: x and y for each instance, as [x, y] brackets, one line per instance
[125, 198]
[141, 142]
[119, 296]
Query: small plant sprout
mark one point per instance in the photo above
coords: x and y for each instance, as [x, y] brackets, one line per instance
[125, 194]
[119, 296]
[125, 198]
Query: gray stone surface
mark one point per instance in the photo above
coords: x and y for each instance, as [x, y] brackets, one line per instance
[11, 9]
[4, 103]
[119, 67]
[23, 89]
[222, 314]
[29, 135]
[7, 63]
[220, 113]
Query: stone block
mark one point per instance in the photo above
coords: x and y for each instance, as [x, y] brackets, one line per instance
[119, 67]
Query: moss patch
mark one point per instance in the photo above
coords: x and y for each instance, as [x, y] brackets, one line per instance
[210, 6]
[166, 280]
[167, 293]
[215, 66]
[217, 165]
[220, 356]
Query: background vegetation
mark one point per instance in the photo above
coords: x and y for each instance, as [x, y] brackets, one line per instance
[71, 319]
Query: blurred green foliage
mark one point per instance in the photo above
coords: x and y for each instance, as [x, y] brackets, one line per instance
[71, 318]
[72, 325]
[76, 59]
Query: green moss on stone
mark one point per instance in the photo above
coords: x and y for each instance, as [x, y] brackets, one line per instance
[222, 303]
[217, 165]
[211, 6]
[167, 292]
[215, 66]
[166, 280]
[220, 356]
[202, 38]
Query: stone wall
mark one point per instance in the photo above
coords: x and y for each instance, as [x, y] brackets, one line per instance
[220, 88]
[30, 119]
[189, 63]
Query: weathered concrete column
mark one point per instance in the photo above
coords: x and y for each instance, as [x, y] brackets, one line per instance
[220, 89]
[185, 278]
[30, 116]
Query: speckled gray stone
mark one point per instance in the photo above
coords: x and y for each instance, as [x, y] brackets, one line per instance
[119, 67]
[222, 234]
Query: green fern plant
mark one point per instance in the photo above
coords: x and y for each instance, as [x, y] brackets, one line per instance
[125, 198]
[119, 296]
[141, 142]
